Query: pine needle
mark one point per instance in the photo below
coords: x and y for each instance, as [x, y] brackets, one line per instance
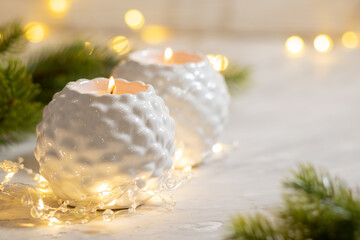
[19, 113]
[315, 206]
[53, 68]
[12, 39]
[257, 227]
[236, 78]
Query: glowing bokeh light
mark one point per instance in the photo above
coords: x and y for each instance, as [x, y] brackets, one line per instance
[187, 169]
[120, 44]
[35, 32]
[134, 19]
[294, 45]
[323, 43]
[155, 34]
[350, 40]
[103, 187]
[219, 62]
[168, 54]
[58, 6]
[217, 148]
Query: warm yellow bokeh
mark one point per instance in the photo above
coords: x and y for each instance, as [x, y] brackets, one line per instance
[219, 62]
[168, 54]
[323, 43]
[294, 45]
[134, 19]
[35, 32]
[350, 40]
[155, 34]
[217, 148]
[120, 44]
[58, 6]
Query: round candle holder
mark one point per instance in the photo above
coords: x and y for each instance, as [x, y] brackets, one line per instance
[195, 93]
[98, 148]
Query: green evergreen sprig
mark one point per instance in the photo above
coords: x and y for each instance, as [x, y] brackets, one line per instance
[236, 78]
[12, 38]
[22, 87]
[315, 206]
[18, 110]
[19, 113]
[52, 69]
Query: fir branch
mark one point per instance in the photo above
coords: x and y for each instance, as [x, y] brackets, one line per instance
[316, 206]
[12, 38]
[19, 113]
[54, 68]
[256, 227]
[236, 77]
[320, 206]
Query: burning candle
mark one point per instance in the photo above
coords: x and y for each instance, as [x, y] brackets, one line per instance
[112, 86]
[104, 134]
[195, 93]
[168, 55]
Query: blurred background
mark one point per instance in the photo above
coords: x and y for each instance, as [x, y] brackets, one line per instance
[164, 22]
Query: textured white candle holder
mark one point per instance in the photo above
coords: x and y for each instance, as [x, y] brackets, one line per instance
[89, 144]
[195, 93]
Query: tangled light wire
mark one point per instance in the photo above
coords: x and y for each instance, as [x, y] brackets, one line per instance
[44, 204]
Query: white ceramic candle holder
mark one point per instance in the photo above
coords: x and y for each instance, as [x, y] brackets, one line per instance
[90, 142]
[195, 93]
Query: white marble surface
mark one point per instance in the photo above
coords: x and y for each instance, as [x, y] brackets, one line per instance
[294, 110]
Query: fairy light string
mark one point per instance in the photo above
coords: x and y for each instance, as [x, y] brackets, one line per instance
[45, 206]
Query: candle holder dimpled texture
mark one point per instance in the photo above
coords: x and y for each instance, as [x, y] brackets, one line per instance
[88, 144]
[195, 93]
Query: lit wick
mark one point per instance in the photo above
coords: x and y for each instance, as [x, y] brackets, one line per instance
[168, 55]
[111, 87]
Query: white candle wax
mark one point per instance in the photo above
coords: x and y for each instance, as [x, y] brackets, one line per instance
[100, 87]
[157, 57]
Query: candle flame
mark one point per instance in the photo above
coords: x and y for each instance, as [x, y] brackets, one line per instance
[111, 87]
[168, 54]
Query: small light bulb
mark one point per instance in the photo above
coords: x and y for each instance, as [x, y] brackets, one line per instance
[58, 6]
[134, 19]
[35, 32]
[120, 44]
[155, 34]
[350, 40]
[41, 204]
[108, 215]
[294, 45]
[217, 148]
[323, 43]
[219, 62]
